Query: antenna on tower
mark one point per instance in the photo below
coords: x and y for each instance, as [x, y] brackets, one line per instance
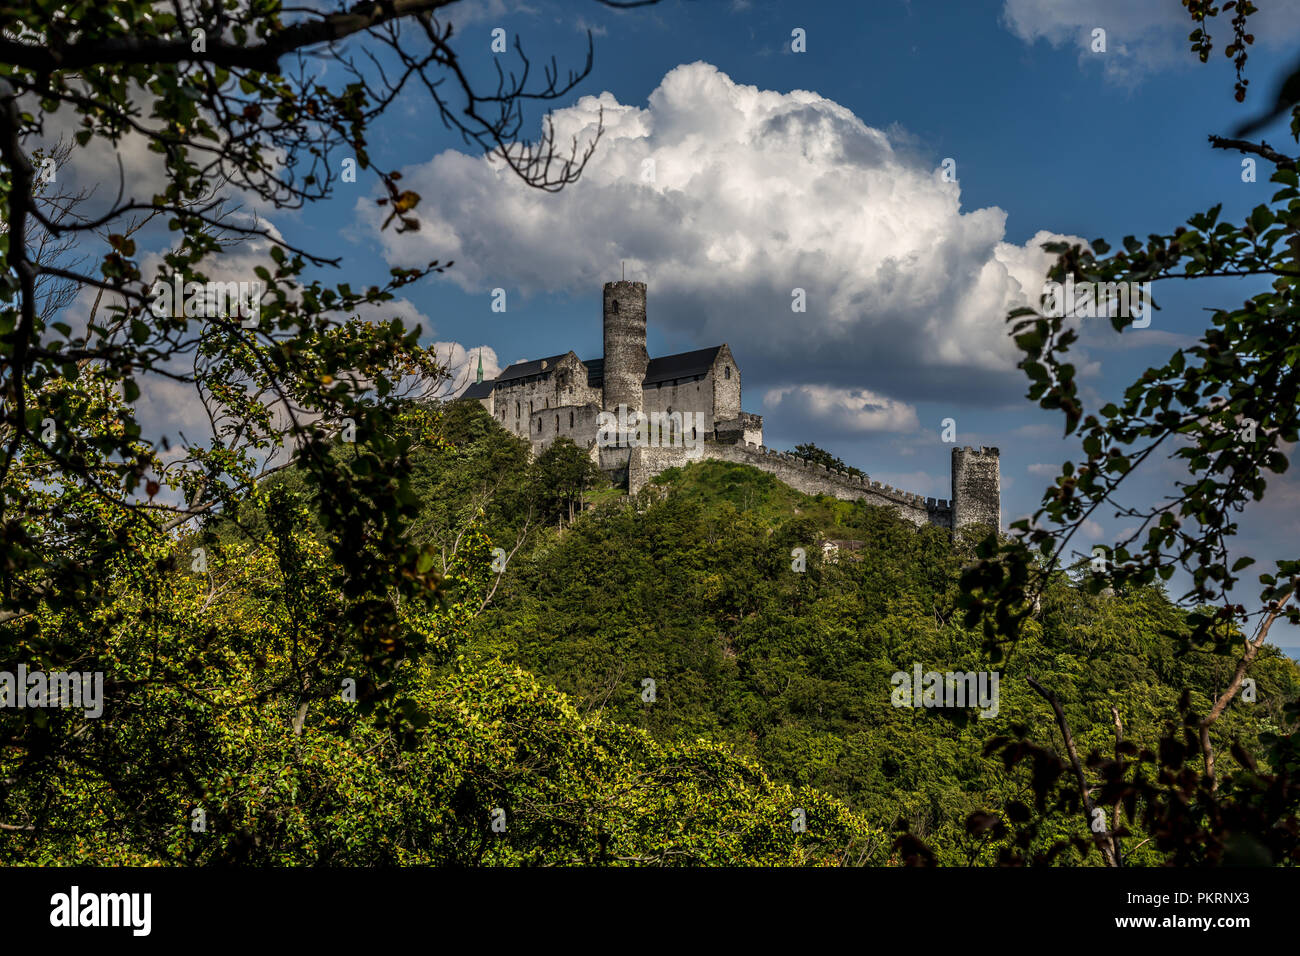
[623, 263]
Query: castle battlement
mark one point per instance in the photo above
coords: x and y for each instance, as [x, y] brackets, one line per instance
[800, 474]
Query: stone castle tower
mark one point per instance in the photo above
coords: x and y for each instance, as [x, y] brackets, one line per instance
[626, 358]
[976, 487]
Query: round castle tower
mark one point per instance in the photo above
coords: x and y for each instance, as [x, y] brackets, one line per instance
[626, 358]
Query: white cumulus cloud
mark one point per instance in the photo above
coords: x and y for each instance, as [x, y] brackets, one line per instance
[726, 199]
[1141, 35]
[851, 410]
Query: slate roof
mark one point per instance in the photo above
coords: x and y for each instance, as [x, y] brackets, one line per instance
[478, 390]
[663, 369]
[524, 369]
[681, 365]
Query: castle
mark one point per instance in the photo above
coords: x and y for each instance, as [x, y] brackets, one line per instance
[637, 416]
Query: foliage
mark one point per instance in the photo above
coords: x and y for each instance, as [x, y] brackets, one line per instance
[695, 591]
[241, 736]
[1224, 413]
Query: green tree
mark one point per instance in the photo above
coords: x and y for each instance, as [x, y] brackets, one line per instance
[564, 473]
[1224, 411]
[123, 558]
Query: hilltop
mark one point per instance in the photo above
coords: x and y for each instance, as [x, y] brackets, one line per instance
[690, 585]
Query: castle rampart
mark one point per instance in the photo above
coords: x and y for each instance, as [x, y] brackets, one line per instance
[813, 479]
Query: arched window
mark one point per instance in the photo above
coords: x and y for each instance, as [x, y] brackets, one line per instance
[726, 371]
[570, 419]
[539, 426]
[530, 407]
[516, 409]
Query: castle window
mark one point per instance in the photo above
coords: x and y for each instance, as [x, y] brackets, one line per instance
[516, 409]
[557, 424]
[570, 419]
[530, 407]
[726, 371]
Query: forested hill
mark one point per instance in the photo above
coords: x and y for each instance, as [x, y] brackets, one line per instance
[692, 586]
[657, 680]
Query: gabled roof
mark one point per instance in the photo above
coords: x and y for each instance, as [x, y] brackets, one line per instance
[663, 369]
[535, 367]
[478, 390]
[681, 365]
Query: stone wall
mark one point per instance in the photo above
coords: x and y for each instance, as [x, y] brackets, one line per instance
[745, 429]
[575, 422]
[517, 402]
[687, 395]
[645, 463]
[725, 378]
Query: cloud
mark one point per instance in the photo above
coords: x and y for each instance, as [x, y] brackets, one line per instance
[461, 363]
[583, 25]
[726, 198]
[1044, 470]
[850, 410]
[1140, 37]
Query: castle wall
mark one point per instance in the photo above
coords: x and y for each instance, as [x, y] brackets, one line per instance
[688, 395]
[512, 400]
[645, 463]
[516, 399]
[570, 383]
[575, 422]
[747, 429]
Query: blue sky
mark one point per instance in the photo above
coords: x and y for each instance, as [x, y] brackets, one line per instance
[759, 188]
